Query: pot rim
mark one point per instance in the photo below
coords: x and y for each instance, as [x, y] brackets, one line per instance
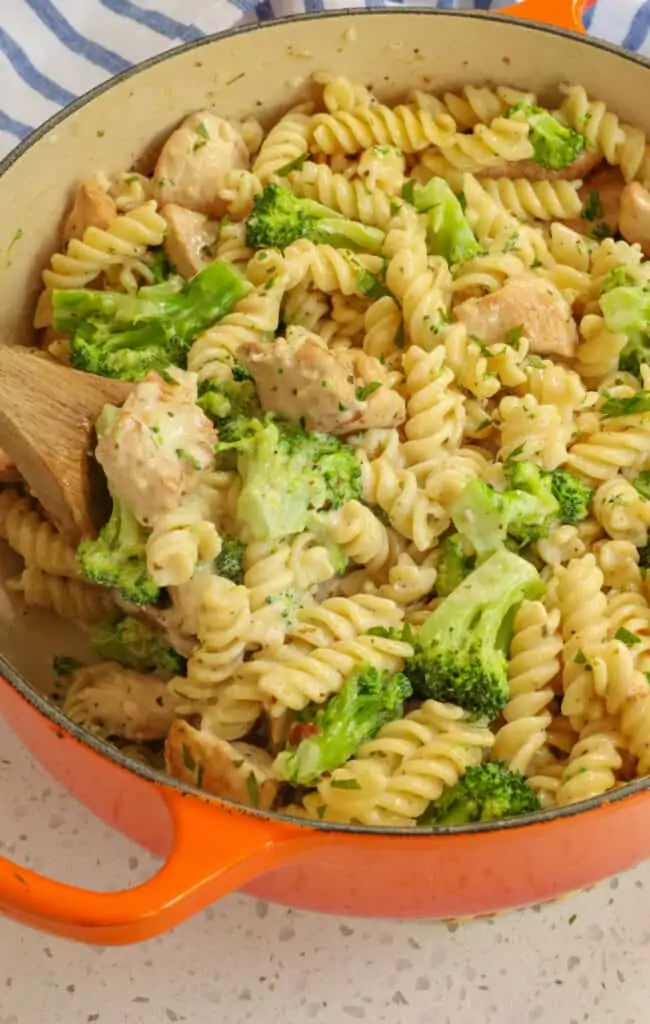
[55, 714]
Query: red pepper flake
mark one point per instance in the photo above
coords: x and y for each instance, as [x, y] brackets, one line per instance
[299, 731]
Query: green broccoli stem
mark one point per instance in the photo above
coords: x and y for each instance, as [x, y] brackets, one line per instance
[346, 234]
[449, 233]
[493, 588]
[205, 298]
[626, 309]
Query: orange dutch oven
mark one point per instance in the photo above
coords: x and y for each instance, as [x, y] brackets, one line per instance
[211, 846]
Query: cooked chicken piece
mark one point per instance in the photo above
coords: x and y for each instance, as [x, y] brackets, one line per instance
[195, 161]
[338, 392]
[92, 208]
[527, 301]
[533, 171]
[635, 215]
[601, 202]
[159, 441]
[8, 471]
[189, 238]
[238, 771]
[115, 701]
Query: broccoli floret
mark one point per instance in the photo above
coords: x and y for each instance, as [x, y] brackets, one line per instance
[572, 495]
[227, 399]
[486, 792]
[459, 651]
[626, 310]
[449, 233]
[133, 643]
[534, 502]
[287, 474]
[230, 560]
[279, 218]
[488, 518]
[454, 565]
[366, 701]
[554, 144]
[117, 558]
[126, 336]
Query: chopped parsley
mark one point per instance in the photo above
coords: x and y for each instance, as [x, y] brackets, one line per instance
[626, 637]
[368, 389]
[253, 789]
[345, 784]
[64, 665]
[514, 336]
[593, 208]
[293, 165]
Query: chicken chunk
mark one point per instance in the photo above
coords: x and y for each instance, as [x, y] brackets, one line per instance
[92, 208]
[527, 301]
[635, 215]
[8, 471]
[533, 171]
[115, 701]
[189, 238]
[195, 162]
[601, 202]
[153, 450]
[337, 392]
[238, 771]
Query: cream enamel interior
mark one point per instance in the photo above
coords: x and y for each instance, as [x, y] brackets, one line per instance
[261, 72]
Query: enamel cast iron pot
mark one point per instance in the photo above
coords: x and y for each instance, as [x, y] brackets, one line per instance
[211, 846]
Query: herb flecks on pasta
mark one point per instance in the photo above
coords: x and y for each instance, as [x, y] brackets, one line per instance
[378, 547]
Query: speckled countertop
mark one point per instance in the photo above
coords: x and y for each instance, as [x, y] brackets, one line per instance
[582, 959]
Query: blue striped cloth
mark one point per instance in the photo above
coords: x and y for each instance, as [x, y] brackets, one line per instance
[52, 51]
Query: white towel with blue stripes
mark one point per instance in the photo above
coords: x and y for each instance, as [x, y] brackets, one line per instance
[52, 51]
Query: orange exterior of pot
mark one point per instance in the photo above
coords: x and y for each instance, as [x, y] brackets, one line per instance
[211, 847]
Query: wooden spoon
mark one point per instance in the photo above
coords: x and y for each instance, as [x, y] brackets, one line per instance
[47, 417]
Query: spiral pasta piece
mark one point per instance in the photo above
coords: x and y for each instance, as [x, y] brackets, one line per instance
[592, 767]
[179, 541]
[473, 104]
[622, 145]
[224, 622]
[533, 430]
[435, 408]
[329, 269]
[124, 242]
[382, 324]
[351, 197]
[69, 598]
[622, 447]
[497, 229]
[313, 677]
[285, 144]
[618, 560]
[622, 512]
[397, 492]
[533, 666]
[341, 618]
[599, 348]
[393, 778]
[536, 200]
[238, 192]
[214, 352]
[33, 537]
[488, 144]
[358, 532]
[583, 622]
[349, 131]
[236, 707]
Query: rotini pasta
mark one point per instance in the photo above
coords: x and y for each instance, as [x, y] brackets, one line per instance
[395, 406]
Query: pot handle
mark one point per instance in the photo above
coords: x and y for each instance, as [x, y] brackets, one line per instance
[215, 851]
[566, 14]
